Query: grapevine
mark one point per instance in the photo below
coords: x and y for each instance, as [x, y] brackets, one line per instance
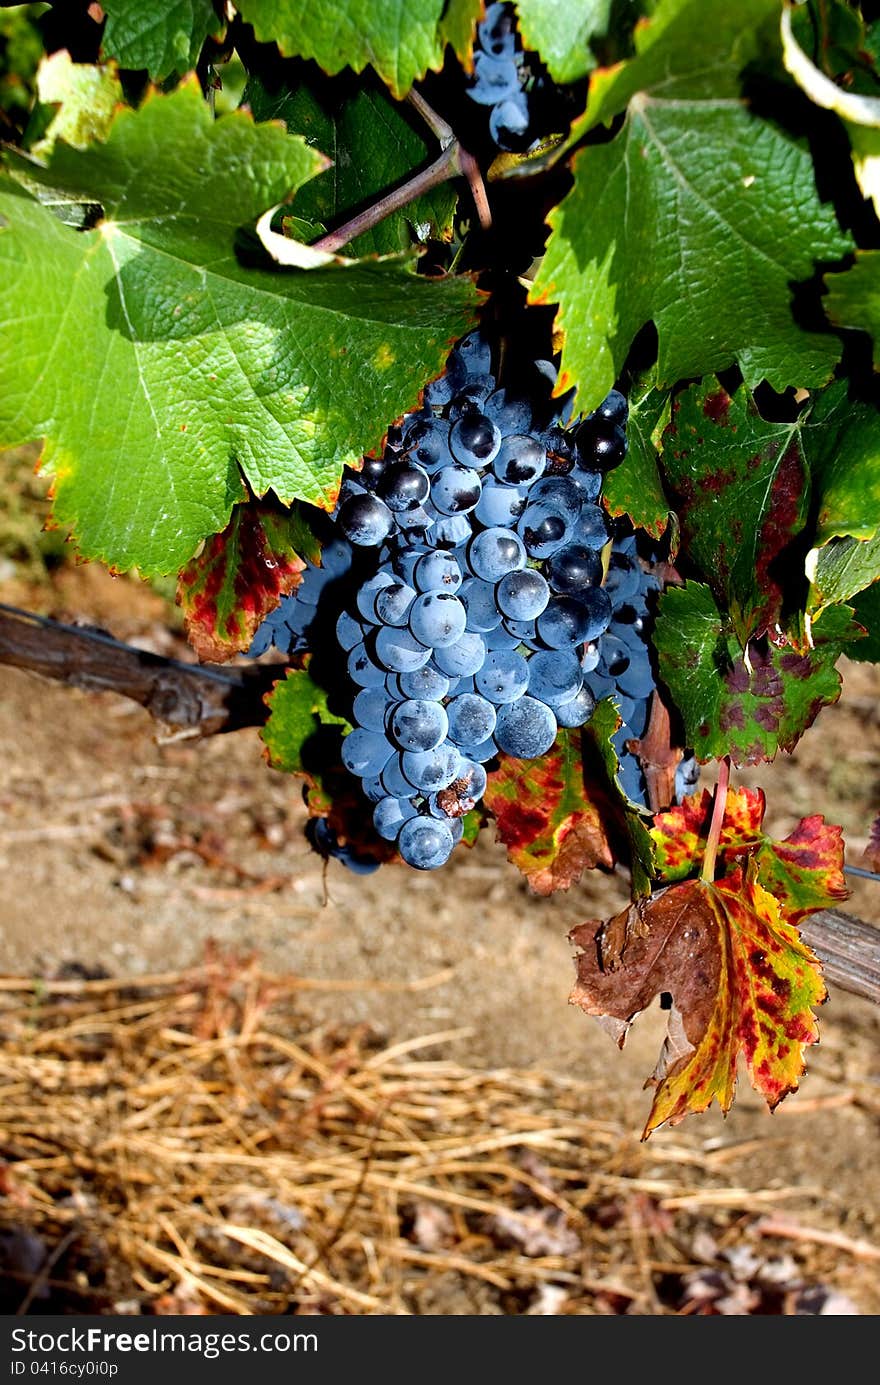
[539, 469]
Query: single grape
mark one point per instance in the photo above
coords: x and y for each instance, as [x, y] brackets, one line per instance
[509, 121]
[555, 676]
[519, 630]
[395, 781]
[577, 711]
[365, 753]
[574, 567]
[418, 724]
[522, 595]
[427, 444]
[486, 750]
[564, 623]
[390, 814]
[496, 31]
[437, 619]
[474, 353]
[425, 843]
[500, 506]
[366, 597]
[430, 770]
[399, 651]
[372, 471]
[452, 530]
[349, 631]
[437, 571]
[471, 719]
[455, 490]
[426, 682]
[373, 789]
[362, 670]
[474, 440]
[504, 676]
[560, 494]
[463, 658]
[365, 520]
[494, 553]
[587, 480]
[404, 486]
[391, 603]
[520, 461]
[371, 708]
[542, 532]
[512, 415]
[613, 409]
[591, 529]
[525, 728]
[622, 578]
[478, 599]
[496, 79]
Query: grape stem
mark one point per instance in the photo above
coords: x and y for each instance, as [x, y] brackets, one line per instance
[707, 874]
[453, 161]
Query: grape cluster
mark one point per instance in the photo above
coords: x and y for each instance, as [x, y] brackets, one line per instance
[465, 581]
[499, 76]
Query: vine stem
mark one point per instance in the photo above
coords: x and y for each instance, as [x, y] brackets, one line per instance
[452, 162]
[707, 874]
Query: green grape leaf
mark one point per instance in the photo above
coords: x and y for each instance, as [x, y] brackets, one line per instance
[681, 218]
[849, 84]
[841, 442]
[841, 569]
[866, 609]
[635, 488]
[747, 710]
[740, 488]
[742, 982]
[85, 98]
[669, 63]
[697, 216]
[371, 145]
[561, 32]
[21, 52]
[401, 39]
[192, 367]
[297, 712]
[853, 299]
[163, 36]
[553, 824]
[803, 872]
[241, 575]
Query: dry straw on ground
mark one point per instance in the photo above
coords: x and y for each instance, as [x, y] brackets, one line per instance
[190, 1143]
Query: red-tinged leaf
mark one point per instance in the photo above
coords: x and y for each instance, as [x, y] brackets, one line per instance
[745, 708]
[741, 492]
[742, 983]
[552, 823]
[803, 872]
[241, 575]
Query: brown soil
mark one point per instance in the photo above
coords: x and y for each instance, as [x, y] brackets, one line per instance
[120, 853]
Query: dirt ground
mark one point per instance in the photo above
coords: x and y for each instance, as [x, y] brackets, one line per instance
[120, 853]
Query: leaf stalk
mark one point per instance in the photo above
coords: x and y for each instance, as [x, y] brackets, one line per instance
[707, 874]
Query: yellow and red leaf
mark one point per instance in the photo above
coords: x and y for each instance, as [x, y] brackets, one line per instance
[741, 979]
[552, 823]
[803, 872]
[241, 575]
